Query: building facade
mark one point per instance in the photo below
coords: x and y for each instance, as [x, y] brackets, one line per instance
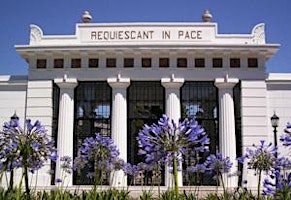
[113, 78]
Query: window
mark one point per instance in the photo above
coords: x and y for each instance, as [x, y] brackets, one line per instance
[146, 100]
[199, 99]
[92, 115]
[55, 119]
[41, 63]
[110, 62]
[238, 131]
[182, 62]
[93, 62]
[217, 62]
[76, 63]
[199, 62]
[146, 62]
[164, 62]
[59, 63]
[235, 63]
[252, 62]
[128, 62]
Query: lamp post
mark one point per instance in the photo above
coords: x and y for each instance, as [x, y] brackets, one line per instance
[275, 122]
[14, 118]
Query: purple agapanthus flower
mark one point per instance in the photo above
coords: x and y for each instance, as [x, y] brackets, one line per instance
[260, 158]
[167, 141]
[98, 153]
[198, 168]
[217, 164]
[29, 146]
[131, 170]
[66, 164]
[286, 137]
[279, 186]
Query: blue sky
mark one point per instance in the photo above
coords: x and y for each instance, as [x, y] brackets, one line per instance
[60, 16]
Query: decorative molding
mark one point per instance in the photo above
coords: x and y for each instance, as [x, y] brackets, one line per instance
[35, 34]
[172, 82]
[66, 82]
[226, 82]
[259, 34]
[118, 82]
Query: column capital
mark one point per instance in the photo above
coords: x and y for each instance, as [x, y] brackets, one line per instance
[226, 82]
[118, 82]
[172, 82]
[66, 82]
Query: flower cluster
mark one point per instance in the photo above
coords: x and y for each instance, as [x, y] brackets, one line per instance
[131, 169]
[198, 168]
[100, 154]
[279, 181]
[165, 141]
[66, 164]
[217, 164]
[286, 138]
[30, 147]
[260, 158]
[279, 186]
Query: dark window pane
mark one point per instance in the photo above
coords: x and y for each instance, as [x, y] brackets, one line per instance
[110, 62]
[76, 63]
[59, 63]
[128, 62]
[235, 63]
[93, 62]
[252, 62]
[217, 62]
[182, 62]
[146, 62]
[199, 62]
[164, 62]
[41, 63]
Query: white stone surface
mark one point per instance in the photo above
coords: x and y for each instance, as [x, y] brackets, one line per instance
[227, 136]
[254, 119]
[119, 124]
[173, 111]
[65, 125]
[39, 107]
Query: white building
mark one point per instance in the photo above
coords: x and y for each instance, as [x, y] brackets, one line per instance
[113, 78]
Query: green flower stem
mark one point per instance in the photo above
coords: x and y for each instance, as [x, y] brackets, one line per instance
[11, 182]
[175, 172]
[25, 170]
[259, 184]
[26, 181]
[223, 186]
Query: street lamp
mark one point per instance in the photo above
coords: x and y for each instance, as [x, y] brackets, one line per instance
[13, 119]
[275, 123]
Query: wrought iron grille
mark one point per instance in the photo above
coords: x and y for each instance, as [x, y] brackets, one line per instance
[200, 100]
[55, 101]
[92, 115]
[238, 134]
[145, 106]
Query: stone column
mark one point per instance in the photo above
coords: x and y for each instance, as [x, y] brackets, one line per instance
[65, 124]
[173, 111]
[227, 137]
[119, 124]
